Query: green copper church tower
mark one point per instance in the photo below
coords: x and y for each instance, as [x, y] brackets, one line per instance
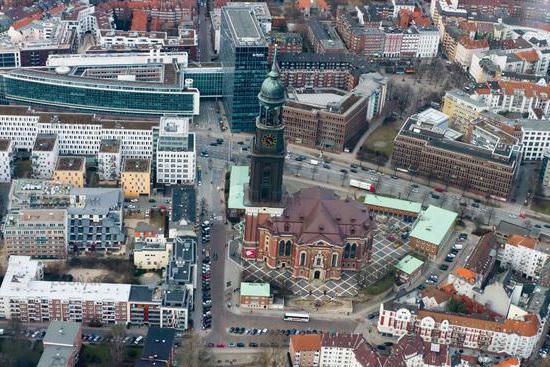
[268, 146]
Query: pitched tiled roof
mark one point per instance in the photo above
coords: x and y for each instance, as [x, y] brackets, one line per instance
[510, 362]
[306, 343]
[466, 274]
[530, 56]
[469, 43]
[435, 293]
[517, 240]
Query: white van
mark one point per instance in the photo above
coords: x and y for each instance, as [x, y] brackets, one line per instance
[138, 340]
[457, 246]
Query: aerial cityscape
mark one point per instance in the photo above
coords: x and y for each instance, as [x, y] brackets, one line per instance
[294, 183]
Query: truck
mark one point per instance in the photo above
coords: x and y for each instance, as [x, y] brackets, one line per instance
[362, 185]
[314, 162]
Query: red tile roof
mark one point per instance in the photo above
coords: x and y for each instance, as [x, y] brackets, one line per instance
[510, 362]
[471, 44]
[517, 240]
[466, 274]
[306, 343]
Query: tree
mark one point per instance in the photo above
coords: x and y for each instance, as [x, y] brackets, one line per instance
[192, 351]
[117, 346]
[456, 306]
[275, 355]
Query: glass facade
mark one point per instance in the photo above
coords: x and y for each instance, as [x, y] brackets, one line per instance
[114, 97]
[245, 67]
[208, 80]
[9, 60]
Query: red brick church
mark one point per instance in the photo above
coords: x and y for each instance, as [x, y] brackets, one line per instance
[317, 236]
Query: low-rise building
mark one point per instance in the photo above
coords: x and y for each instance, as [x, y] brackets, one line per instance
[404, 209]
[158, 348]
[62, 343]
[70, 171]
[109, 160]
[516, 337]
[432, 229]
[304, 350]
[7, 147]
[151, 255]
[41, 233]
[45, 154]
[255, 295]
[524, 255]
[408, 268]
[136, 177]
[181, 268]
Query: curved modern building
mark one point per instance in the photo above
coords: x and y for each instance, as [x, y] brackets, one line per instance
[155, 90]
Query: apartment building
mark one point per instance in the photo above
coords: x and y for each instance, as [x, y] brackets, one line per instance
[515, 96]
[176, 153]
[36, 232]
[304, 350]
[109, 160]
[428, 153]
[136, 177]
[6, 160]
[461, 108]
[70, 171]
[524, 255]
[77, 133]
[466, 48]
[62, 344]
[324, 38]
[517, 337]
[535, 138]
[45, 153]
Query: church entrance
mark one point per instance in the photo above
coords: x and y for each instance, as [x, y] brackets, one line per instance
[317, 275]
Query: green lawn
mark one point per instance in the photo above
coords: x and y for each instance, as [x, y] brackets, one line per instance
[381, 139]
[100, 356]
[22, 168]
[19, 352]
[382, 285]
[541, 205]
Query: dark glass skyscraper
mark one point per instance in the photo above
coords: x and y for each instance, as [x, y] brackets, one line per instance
[243, 54]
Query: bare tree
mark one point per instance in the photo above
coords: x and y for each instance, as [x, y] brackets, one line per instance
[192, 351]
[275, 355]
[117, 346]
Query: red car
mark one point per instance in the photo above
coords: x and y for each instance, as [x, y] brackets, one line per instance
[220, 346]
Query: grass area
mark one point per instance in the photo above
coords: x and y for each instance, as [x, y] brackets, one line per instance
[100, 356]
[541, 205]
[22, 168]
[381, 285]
[381, 139]
[19, 352]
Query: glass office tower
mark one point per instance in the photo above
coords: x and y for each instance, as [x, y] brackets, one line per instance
[243, 55]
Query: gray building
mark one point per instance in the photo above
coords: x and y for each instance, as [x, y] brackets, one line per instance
[243, 55]
[182, 263]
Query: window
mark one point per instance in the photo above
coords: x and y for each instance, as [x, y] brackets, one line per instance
[318, 260]
[353, 251]
[334, 261]
[288, 248]
[346, 251]
[281, 248]
[302, 258]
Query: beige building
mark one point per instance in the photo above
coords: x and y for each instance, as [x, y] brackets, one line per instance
[136, 177]
[461, 109]
[70, 171]
[152, 254]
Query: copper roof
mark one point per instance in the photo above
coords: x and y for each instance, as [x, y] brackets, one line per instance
[319, 214]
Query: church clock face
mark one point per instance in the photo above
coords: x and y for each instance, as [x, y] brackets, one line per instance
[268, 141]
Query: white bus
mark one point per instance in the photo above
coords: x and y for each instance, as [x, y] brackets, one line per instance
[296, 316]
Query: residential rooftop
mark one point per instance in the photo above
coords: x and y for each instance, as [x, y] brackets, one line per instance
[109, 146]
[4, 144]
[137, 165]
[41, 216]
[44, 142]
[62, 332]
[70, 164]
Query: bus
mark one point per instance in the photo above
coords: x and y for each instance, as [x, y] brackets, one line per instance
[296, 316]
[362, 185]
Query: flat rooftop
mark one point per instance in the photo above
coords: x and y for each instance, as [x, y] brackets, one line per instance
[4, 144]
[409, 264]
[42, 216]
[137, 165]
[243, 24]
[393, 203]
[70, 164]
[109, 146]
[433, 224]
[44, 142]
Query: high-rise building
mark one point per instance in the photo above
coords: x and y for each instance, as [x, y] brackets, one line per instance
[243, 54]
[268, 146]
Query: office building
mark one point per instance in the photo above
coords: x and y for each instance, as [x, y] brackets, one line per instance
[104, 90]
[428, 153]
[41, 233]
[326, 251]
[62, 343]
[176, 156]
[70, 171]
[120, 59]
[432, 229]
[109, 160]
[255, 295]
[524, 255]
[45, 153]
[461, 109]
[152, 255]
[535, 138]
[136, 177]
[6, 160]
[517, 337]
[243, 55]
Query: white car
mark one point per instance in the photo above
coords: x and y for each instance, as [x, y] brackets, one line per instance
[134, 200]
[512, 216]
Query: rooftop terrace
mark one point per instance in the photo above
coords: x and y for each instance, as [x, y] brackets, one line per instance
[137, 165]
[70, 164]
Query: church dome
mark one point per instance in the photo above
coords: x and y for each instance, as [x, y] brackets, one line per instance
[272, 90]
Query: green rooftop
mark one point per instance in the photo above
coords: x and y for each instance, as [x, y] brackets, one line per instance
[433, 224]
[239, 177]
[255, 289]
[409, 264]
[397, 204]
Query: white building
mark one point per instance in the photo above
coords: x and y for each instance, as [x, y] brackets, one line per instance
[78, 134]
[175, 152]
[523, 255]
[535, 138]
[109, 160]
[6, 160]
[516, 337]
[44, 156]
[153, 56]
[428, 42]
